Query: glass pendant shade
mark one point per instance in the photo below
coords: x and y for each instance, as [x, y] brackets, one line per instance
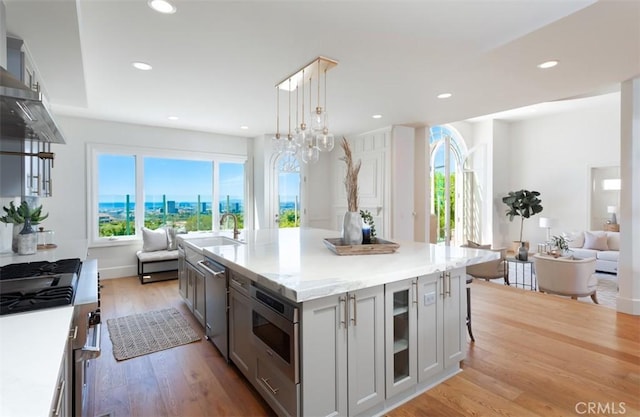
[301, 135]
[325, 141]
[317, 119]
[310, 154]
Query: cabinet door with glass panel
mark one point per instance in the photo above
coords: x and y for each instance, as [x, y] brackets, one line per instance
[401, 335]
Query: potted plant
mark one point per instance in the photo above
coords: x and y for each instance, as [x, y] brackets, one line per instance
[559, 245]
[17, 217]
[367, 218]
[523, 203]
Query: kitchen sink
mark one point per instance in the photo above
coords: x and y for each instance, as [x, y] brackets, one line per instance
[213, 241]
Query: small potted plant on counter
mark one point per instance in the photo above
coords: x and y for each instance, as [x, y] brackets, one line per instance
[367, 219]
[559, 246]
[18, 216]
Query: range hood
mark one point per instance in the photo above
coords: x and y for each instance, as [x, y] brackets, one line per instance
[25, 113]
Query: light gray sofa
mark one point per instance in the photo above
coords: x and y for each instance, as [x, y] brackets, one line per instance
[599, 244]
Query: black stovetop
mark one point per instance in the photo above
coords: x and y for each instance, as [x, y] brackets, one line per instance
[37, 285]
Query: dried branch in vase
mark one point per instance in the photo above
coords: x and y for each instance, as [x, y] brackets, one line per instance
[351, 179]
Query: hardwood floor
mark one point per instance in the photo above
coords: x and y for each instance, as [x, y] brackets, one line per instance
[534, 355]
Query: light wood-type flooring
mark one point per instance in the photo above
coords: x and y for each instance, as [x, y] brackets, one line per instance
[535, 355]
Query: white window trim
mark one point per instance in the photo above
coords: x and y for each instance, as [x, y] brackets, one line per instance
[95, 149]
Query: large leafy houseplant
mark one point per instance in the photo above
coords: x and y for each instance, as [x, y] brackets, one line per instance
[523, 203]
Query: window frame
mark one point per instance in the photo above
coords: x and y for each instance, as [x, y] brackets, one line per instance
[139, 153]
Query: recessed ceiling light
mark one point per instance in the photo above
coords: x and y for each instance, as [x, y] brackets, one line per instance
[143, 66]
[162, 6]
[244, 127]
[377, 116]
[173, 117]
[444, 95]
[548, 64]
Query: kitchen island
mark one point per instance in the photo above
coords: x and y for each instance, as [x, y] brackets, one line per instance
[365, 333]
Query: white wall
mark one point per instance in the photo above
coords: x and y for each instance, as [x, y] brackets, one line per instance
[68, 206]
[553, 155]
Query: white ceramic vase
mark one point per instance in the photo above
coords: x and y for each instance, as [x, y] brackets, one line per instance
[352, 228]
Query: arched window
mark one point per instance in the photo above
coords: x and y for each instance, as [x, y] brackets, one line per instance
[448, 153]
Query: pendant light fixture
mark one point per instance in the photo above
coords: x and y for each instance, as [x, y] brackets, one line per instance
[307, 140]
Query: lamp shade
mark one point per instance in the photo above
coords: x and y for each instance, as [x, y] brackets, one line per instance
[611, 209]
[545, 222]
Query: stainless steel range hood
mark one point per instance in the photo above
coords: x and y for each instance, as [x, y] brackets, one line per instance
[25, 113]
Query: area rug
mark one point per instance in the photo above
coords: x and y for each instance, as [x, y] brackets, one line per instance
[140, 334]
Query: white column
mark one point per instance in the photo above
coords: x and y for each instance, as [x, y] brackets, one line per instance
[629, 265]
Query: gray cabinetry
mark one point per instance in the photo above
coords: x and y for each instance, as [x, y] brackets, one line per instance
[343, 348]
[441, 316]
[61, 405]
[195, 294]
[182, 274]
[241, 350]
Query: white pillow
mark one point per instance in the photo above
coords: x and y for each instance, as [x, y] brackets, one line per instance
[613, 240]
[595, 241]
[153, 240]
[576, 239]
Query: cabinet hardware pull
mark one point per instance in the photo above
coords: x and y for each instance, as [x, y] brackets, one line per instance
[343, 319]
[355, 309]
[274, 391]
[449, 284]
[56, 411]
[73, 333]
[415, 293]
[441, 278]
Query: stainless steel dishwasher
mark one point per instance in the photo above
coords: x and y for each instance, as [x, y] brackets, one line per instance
[216, 302]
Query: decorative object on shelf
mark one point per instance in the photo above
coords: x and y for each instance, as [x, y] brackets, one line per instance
[612, 211]
[369, 224]
[307, 141]
[17, 215]
[381, 246]
[27, 240]
[523, 252]
[352, 223]
[523, 203]
[546, 223]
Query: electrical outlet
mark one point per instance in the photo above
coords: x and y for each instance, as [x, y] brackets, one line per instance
[429, 298]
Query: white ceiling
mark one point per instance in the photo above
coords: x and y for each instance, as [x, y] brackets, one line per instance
[215, 63]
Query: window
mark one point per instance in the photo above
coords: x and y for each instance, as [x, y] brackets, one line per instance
[116, 195]
[447, 154]
[288, 191]
[178, 192]
[174, 188]
[231, 193]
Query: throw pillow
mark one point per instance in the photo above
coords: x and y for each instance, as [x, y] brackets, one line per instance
[595, 241]
[153, 240]
[475, 245]
[172, 242]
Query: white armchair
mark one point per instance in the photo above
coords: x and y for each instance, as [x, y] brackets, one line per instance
[565, 276]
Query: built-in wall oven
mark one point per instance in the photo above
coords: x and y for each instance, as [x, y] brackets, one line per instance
[274, 328]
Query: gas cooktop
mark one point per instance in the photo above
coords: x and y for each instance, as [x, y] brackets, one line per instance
[36, 285]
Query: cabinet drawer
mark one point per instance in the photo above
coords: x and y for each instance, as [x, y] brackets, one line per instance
[279, 391]
[239, 282]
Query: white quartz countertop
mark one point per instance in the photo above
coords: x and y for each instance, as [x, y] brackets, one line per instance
[32, 344]
[296, 263]
[65, 250]
[31, 351]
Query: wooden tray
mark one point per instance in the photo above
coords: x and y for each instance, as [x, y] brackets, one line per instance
[381, 246]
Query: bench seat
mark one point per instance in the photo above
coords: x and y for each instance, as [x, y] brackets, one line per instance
[164, 257]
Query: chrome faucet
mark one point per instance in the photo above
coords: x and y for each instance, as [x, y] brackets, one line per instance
[235, 223]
